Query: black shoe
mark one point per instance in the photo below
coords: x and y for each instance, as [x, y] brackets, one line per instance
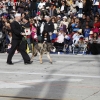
[10, 63]
[26, 63]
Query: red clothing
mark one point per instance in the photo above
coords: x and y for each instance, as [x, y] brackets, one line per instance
[28, 36]
[33, 34]
[95, 30]
[97, 24]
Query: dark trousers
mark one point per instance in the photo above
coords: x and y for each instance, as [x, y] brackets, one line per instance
[17, 44]
[80, 10]
[93, 48]
[33, 13]
[95, 9]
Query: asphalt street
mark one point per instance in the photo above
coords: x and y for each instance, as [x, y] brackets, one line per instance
[70, 77]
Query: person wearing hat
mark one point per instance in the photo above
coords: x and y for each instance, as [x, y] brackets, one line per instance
[64, 22]
[79, 31]
[59, 16]
[17, 42]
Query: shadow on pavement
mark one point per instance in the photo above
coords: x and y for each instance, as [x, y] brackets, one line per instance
[50, 90]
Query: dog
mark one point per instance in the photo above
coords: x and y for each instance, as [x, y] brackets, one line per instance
[43, 48]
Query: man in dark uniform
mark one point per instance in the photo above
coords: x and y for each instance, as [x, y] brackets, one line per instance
[17, 42]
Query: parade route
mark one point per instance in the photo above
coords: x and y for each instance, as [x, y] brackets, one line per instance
[70, 77]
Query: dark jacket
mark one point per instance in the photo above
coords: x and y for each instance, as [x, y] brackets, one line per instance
[44, 12]
[48, 4]
[53, 12]
[1, 25]
[27, 25]
[16, 31]
[33, 5]
[22, 7]
[45, 37]
[49, 27]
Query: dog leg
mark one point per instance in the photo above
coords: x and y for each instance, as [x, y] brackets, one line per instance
[32, 54]
[32, 57]
[48, 55]
[40, 58]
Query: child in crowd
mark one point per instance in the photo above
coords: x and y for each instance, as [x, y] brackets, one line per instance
[87, 31]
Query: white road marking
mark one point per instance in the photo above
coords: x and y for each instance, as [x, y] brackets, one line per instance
[46, 74]
[11, 85]
[22, 84]
[51, 80]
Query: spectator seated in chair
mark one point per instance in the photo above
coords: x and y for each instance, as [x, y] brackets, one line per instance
[67, 44]
[81, 45]
[78, 42]
[59, 43]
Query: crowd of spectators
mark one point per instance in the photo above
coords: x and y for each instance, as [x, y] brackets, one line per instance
[71, 25]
